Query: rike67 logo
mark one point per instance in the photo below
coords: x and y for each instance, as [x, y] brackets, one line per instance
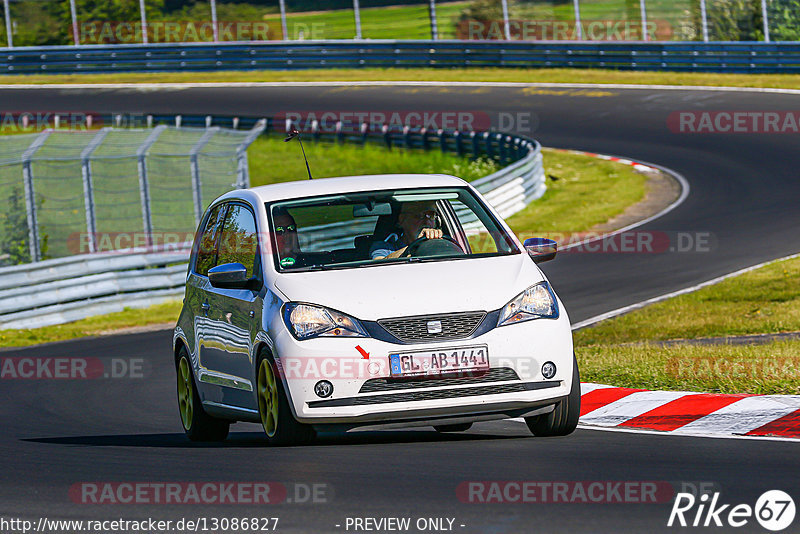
[774, 510]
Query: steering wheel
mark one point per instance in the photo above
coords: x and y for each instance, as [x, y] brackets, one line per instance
[412, 247]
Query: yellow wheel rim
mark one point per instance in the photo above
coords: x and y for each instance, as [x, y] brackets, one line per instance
[268, 398]
[185, 394]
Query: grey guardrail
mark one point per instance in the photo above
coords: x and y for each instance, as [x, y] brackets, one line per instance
[690, 56]
[66, 289]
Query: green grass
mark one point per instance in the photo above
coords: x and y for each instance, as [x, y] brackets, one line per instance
[766, 300]
[588, 191]
[392, 22]
[591, 76]
[329, 160]
[621, 352]
[92, 326]
[772, 368]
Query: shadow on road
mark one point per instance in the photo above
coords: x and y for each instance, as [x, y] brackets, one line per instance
[256, 439]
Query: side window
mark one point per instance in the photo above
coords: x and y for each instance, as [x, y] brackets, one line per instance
[207, 252]
[481, 239]
[239, 242]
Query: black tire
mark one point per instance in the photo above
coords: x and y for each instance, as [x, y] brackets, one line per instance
[280, 426]
[564, 418]
[197, 424]
[460, 427]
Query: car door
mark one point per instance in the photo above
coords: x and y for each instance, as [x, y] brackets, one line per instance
[198, 296]
[234, 313]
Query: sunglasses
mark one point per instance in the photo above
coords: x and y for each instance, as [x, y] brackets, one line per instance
[421, 215]
[280, 230]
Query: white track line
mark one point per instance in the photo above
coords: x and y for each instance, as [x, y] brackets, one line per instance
[398, 83]
[690, 289]
[687, 435]
[685, 188]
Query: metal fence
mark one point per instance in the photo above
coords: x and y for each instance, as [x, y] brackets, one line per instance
[60, 290]
[686, 57]
[39, 22]
[107, 189]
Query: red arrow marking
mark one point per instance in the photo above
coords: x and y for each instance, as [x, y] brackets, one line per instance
[364, 353]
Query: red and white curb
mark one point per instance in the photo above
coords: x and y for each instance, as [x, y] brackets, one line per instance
[642, 167]
[690, 413]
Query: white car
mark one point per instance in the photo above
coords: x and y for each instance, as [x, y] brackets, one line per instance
[391, 300]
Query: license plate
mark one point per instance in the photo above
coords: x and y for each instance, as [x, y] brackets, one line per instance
[459, 360]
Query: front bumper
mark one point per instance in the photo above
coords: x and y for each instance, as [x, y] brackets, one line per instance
[521, 348]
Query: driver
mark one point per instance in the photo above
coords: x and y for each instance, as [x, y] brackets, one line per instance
[416, 219]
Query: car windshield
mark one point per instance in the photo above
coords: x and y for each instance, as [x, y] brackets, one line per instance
[375, 228]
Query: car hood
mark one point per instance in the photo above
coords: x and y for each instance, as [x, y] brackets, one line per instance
[378, 292]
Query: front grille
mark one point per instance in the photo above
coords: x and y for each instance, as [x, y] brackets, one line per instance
[435, 394]
[454, 326]
[499, 374]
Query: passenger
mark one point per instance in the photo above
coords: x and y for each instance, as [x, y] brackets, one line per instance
[286, 237]
[416, 219]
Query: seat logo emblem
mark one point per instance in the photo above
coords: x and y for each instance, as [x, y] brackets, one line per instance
[434, 327]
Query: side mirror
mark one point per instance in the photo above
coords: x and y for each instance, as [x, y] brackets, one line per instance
[540, 249]
[229, 276]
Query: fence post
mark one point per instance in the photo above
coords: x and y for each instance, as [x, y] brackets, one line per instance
[214, 25]
[283, 20]
[459, 143]
[357, 15]
[144, 21]
[643, 10]
[434, 23]
[577, 8]
[144, 186]
[30, 194]
[506, 28]
[7, 13]
[704, 20]
[242, 171]
[197, 192]
[88, 189]
[74, 14]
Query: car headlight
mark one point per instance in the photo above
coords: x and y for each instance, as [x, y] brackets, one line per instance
[536, 302]
[306, 321]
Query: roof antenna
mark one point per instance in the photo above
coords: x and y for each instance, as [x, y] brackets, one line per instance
[292, 134]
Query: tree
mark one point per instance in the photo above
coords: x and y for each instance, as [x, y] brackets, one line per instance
[730, 20]
[14, 247]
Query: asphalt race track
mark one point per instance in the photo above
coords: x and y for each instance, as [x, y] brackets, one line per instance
[744, 194]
